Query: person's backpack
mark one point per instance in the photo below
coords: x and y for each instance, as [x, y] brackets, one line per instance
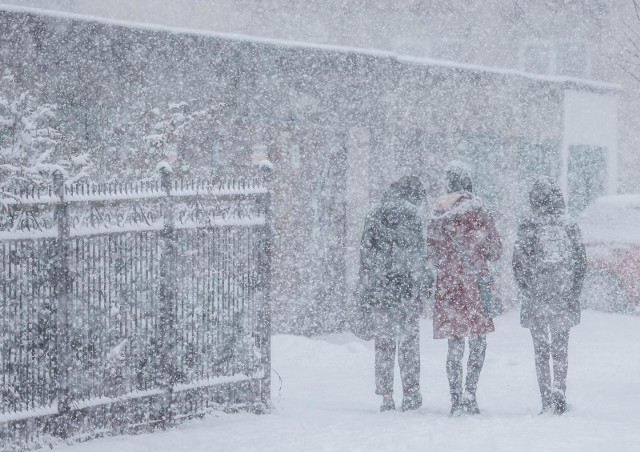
[554, 245]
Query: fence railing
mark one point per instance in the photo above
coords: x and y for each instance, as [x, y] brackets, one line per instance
[127, 305]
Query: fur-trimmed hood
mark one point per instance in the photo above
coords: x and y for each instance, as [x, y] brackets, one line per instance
[454, 204]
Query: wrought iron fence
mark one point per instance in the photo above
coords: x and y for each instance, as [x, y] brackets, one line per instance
[132, 304]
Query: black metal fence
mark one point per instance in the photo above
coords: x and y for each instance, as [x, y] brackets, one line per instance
[128, 305]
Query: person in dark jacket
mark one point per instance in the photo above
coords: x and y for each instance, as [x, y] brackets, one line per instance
[462, 239]
[395, 277]
[549, 264]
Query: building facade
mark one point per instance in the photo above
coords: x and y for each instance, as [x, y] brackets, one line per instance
[338, 123]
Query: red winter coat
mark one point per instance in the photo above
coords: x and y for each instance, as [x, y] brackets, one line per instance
[458, 310]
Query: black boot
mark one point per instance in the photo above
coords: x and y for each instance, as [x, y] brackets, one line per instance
[559, 402]
[387, 404]
[411, 401]
[457, 407]
[470, 405]
[547, 403]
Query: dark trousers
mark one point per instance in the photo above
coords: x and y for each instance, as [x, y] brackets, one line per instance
[550, 345]
[477, 351]
[401, 333]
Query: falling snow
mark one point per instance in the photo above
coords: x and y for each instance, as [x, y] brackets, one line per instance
[221, 220]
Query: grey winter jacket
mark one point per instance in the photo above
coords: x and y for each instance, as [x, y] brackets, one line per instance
[550, 291]
[394, 269]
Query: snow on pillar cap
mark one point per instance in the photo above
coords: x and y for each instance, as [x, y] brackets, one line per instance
[164, 167]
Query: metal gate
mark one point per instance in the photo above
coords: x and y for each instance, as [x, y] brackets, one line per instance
[129, 305]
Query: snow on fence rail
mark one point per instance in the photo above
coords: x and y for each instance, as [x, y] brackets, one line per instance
[132, 304]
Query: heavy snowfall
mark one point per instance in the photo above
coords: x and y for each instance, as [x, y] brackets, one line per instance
[319, 225]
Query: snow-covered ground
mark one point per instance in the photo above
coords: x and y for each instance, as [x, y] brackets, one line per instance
[325, 401]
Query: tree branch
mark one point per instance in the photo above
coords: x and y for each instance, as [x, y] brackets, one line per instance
[627, 71]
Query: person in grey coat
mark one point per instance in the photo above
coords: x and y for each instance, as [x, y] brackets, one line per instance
[394, 277]
[549, 265]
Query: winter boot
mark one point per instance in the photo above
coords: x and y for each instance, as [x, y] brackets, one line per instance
[547, 404]
[411, 401]
[469, 403]
[387, 404]
[559, 402]
[457, 406]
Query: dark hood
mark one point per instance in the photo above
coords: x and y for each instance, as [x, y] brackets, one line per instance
[458, 178]
[546, 197]
[407, 188]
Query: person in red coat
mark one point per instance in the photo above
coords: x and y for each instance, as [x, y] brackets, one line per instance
[461, 240]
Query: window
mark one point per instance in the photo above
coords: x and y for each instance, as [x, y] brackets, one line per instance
[483, 155]
[572, 59]
[534, 159]
[586, 176]
[451, 49]
[536, 58]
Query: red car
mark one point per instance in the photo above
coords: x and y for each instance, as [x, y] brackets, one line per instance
[611, 230]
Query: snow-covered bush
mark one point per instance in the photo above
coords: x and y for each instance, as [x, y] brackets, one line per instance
[174, 135]
[31, 148]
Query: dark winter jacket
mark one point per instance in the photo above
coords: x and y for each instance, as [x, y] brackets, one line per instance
[461, 238]
[549, 261]
[394, 268]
